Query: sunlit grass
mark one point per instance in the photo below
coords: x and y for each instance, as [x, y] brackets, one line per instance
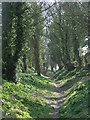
[76, 100]
[26, 99]
[76, 103]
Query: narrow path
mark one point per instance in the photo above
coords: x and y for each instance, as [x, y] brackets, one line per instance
[57, 101]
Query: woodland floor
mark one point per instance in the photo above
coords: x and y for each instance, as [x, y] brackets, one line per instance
[60, 90]
[44, 97]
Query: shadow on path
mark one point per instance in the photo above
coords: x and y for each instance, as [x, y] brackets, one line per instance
[56, 101]
[59, 101]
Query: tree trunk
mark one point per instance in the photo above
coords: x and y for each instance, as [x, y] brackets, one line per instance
[7, 16]
[59, 64]
[68, 60]
[11, 60]
[76, 44]
[36, 54]
[76, 51]
[89, 25]
[24, 63]
[11, 71]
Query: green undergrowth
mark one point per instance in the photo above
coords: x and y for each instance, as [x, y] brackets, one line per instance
[76, 102]
[58, 73]
[75, 87]
[27, 99]
[78, 72]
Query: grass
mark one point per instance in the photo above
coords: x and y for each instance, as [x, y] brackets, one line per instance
[76, 103]
[75, 87]
[27, 98]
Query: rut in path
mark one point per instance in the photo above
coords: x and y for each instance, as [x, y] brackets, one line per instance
[57, 102]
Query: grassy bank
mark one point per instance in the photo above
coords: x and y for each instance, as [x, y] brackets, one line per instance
[75, 87]
[27, 99]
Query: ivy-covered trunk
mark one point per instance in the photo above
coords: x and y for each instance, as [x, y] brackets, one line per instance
[11, 54]
[10, 74]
